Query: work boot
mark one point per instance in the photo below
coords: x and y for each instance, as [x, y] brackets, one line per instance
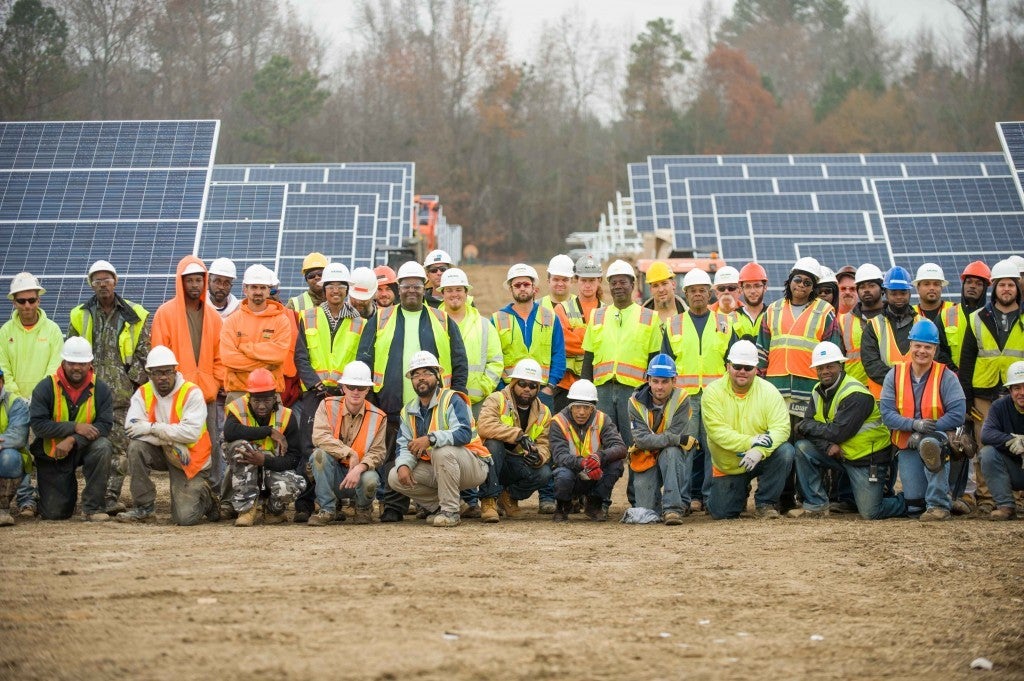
[8, 487]
[508, 505]
[320, 518]
[28, 511]
[562, 511]
[960, 507]
[931, 454]
[227, 511]
[363, 516]
[114, 507]
[672, 518]
[696, 506]
[934, 515]
[137, 514]
[6, 519]
[391, 515]
[1003, 513]
[213, 513]
[95, 517]
[248, 518]
[489, 510]
[546, 507]
[594, 509]
[807, 513]
[446, 519]
[767, 512]
[470, 510]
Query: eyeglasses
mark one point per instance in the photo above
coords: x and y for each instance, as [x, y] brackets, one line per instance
[101, 282]
[522, 284]
[742, 367]
[529, 385]
[421, 372]
[356, 388]
[310, 276]
[730, 289]
[335, 284]
[437, 269]
[411, 287]
[26, 301]
[803, 281]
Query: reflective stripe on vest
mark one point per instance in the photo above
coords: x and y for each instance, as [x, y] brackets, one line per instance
[887, 348]
[199, 451]
[328, 355]
[591, 442]
[513, 343]
[852, 329]
[510, 417]
[387, 322]
[793, 340]
[127, 337]
[374, 420]
[629, 365]
[931, 398]
[278, 420]
[477, 355]
[992, 364]
[301, 303]
[871, 437]
[641, 460]
[439, 421]
[86, 412]
[699, 360]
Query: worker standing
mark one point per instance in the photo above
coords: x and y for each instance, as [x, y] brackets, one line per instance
[975, 280]
[663, 300]
[387, 286]
[573, 315]
[846, 279]
[312, 269]
[868, 280]
[222, 275]
[483, 347]
[560, 274]
[947, 315]
[754, 287]
[435, 265]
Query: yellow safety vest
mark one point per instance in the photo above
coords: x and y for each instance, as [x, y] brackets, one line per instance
[992, 363]
[61, 412]
[327, 355]
[439, 421]
[301, 303]
[127, 339]
[699, 359]
[954, 324]
[278, 420]
[627, 362]
[386, 324]
[510, 418]
[476, 332]
[513, 344]
[852, 329]
[871, 437]
[590, 443]
[26, 456]
[641, 460]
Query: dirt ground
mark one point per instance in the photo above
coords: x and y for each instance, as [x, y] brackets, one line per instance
[838, 598]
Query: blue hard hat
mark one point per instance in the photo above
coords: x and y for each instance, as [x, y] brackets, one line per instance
[924, 331]
[897, 279]
[662, 366]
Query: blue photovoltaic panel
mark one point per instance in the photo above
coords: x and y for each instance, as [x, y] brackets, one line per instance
[945, 170]
[1011, 136]
[130, 192]
[643, 201]
[947, 195]
[998, 169]
[859, 201]
[682, 172]
[243, 223]
[983, 157]
[823, 185]
[730, 186]
[975, 235]
[835, 255]
[326, 229]
[871, 170]
[800, 170]
[739, 204]
[312, 174]
[809, 222]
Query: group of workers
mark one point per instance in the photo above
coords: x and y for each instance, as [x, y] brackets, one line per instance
[392, 387]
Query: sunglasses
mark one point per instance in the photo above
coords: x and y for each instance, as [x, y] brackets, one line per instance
[742, 367]
[435, 270]
[411, 287]
[356, 388]
[803, 281]
[310, 276]
[522, 284]
[26, 301]
[529, 385]
[730, 289]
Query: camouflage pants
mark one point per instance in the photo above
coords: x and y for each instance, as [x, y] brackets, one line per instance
[249, 483]
[119, 460]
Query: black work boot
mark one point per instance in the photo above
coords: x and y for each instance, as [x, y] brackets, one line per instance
[562, 510]
[594, 509]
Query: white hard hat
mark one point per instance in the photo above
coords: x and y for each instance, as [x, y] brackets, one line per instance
[161, 356]
[437, 257]
[422, 359]
[337, 272]
[1015, 374]
[620, 267]
[259, 275]
[77, 350]
[454, 277]
[588, 267]
[100, 266]
[868, 272]
[24, 281]
[1004, 269]
[582, 391]
[528, 369]
[193, 268]
[930, 272]
[826, 353]
[1018, 261]
[726, 275]
[827, 276]
[362, 284]
[809, 265]
[743, 352]
[561, 266]
[411, 270]
[223, 267]
[521, 270]
[696, 277]
[357, 374]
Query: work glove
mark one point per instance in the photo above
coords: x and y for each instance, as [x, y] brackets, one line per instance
[763, 440]
[924, 426]
[750, 459]
[533, 459]
[159, 430]
[1016, 445]
[138, 428]
[526, 443]
[591, 468]
[183, 455]
[688, 443]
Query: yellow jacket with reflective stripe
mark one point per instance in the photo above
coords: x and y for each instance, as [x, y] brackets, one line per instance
[852, 328]
[624, 358]
[513, 345]
[483, 351]
[699, 360]
[82, 325]
[992, 364]
[328, 356]
[386, 323]
[872, 436]
[954, 325]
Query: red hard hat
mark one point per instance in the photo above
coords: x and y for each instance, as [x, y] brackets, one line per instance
[977, 269]
[385, 275]
[260, 381]
[753, 272]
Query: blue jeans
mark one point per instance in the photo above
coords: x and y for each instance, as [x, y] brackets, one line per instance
[872, 505]
[922, 488]
[727, 494]
[671, 476]
[328, 474]
[513, 474]
[1003, 475]
[613, 400]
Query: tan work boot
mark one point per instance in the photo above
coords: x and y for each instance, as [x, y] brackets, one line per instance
[248, 518]
[1001, 513]
[8, 487]
[508, 505]
[363, 516]
[6, 519]
[489, 510]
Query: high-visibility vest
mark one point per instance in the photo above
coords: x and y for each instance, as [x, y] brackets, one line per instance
[627, 362]
[852, 329]
[699, 359]
[887, 348]
[590, 443]
[374, 420]
[871, 437]
[476, 332]
[199, 451]
[572, 323]
[301, 302]
[793, 340]
[931, 399]
[510, 417]
[5, 405]
[86, 413]
[513, 343]
[386, 324]
[439, 421]
[127, 338]
[641, 460]
[992, 363]
[954, 324]
[744, 326]
[278, 420]
[328, 355]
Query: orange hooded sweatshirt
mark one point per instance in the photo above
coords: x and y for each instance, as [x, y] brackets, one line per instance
[170, 328]
[250, 340]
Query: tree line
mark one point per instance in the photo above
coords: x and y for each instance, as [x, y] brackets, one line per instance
[522, 152]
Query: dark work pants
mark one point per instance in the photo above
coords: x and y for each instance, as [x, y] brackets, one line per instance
[568, 485]
[58, 487]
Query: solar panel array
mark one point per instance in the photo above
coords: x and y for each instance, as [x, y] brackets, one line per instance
[841, 209]
[129, 192]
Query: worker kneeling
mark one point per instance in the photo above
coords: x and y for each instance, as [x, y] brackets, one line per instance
[843, 431]
[439, 451]
[588, 452]
[514, 426]
[348, 436]
[664, 441]
[166, 422]
[746, 419]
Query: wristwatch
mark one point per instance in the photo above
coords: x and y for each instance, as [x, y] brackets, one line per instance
[431, 439]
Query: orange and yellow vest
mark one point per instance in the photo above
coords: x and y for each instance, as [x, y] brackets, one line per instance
[852, 329]
[61, 412]
[374, 420]
[793, 340]
[641, 460]
[931, 399]
[199, 451]
[439, 421]
[278, 420]
[590, 443]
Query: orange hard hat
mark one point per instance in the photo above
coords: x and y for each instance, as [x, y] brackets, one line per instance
[260, 381]
[753, 272]
[977, 269]
[385, 275]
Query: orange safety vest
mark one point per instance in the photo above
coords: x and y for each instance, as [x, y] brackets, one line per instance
[199, 451]
[278, 420]
[444, 400]
[86, 412]
[931, 399]
[793, 340]
[852, 331]
[374, 420]
[641, 460]
[591, 442]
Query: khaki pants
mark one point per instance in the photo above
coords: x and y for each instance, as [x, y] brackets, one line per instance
[982, 495]
[191, 498]
[437, 483]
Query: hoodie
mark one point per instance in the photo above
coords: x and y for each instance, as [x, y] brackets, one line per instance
[250, 340]
[170, 328]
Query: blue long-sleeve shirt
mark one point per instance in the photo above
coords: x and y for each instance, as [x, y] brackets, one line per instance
[557, 368]
[952, 395]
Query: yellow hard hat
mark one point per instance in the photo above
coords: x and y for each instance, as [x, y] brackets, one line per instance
[314, 261]
[658, 271]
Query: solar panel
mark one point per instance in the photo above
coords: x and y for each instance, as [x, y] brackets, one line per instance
[1011, 136]
[130, 192]
[947, 195]
[243, 223]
